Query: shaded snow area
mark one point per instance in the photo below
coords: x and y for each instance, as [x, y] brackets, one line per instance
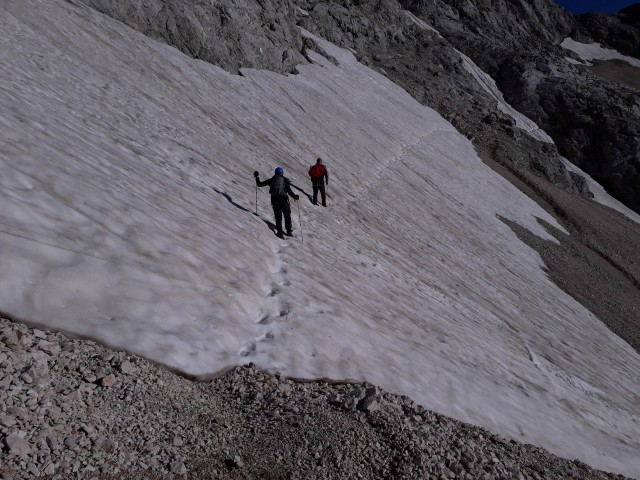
[595, 51]
[489, 86]
[127, 216]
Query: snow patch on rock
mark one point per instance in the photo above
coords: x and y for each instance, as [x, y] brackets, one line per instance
[595, 51]
[421, 23]
[489, 85]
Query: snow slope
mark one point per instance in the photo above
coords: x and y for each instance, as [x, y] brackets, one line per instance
[127, 216]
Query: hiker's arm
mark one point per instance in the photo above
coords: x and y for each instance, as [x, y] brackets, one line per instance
[263, 183]
[289, 191]
[326, 176]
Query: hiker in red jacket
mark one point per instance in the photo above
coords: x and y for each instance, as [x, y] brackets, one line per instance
[319, 175]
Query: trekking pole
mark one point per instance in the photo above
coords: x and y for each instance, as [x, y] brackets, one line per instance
[255, 175]
[300, 223]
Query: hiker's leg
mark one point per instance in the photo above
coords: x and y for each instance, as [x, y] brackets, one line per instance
[277, 213]
[323, 194]
[286, 208]
[315, 194]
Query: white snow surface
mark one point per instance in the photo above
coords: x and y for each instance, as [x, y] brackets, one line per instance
[127, 216]
[595, 51]
[489, 85]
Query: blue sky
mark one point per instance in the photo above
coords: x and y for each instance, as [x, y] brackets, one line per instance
[581, 6]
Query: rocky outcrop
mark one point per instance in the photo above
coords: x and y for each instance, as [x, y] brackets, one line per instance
[593, 121]
[233, 34]
[492, 30]
[614, 31]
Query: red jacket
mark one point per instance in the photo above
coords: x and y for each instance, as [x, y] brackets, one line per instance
[318, 173]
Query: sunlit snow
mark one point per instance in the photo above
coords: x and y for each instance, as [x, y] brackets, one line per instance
[595, 51]
[128, 216]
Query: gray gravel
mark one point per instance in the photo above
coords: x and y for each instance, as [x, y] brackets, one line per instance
[72, 409]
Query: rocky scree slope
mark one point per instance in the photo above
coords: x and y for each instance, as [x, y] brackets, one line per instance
[253, 34]
[73, 409]
[594, 122]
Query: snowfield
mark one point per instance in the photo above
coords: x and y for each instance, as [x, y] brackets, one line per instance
[595, 51]
[128, 217]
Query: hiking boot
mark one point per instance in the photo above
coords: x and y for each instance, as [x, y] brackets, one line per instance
[289, 234]
[280, 235]
[324, 204]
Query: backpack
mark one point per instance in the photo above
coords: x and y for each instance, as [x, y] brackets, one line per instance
[278, 186]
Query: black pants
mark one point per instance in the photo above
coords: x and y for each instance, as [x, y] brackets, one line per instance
[280, 209]
[319, 188]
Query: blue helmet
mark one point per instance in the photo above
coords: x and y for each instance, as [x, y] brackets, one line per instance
[279, 171]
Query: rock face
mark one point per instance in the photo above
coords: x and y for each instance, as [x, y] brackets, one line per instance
[594, 122]
[492, 30]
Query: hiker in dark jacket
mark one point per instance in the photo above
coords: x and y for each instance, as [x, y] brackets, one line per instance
[319, 175]
[280, 189]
